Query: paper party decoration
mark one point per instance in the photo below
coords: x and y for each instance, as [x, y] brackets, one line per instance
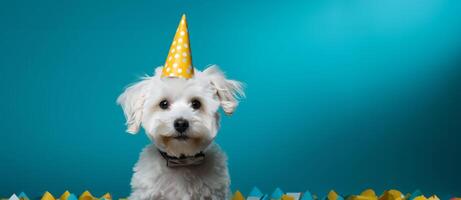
[23, 196]
[287, 197]
[255, 194]
[433, 197]
[421, 197]
[277, 194]
[415, 194]
[367, 194]
[295, 195]
[307, 196]
[392, 195]
[238, 196]
[47, 196]
[179, 61]
[71, 197]
[106, 196]
[65, 195]
[13, 197]
[86, 196]
[332, 195]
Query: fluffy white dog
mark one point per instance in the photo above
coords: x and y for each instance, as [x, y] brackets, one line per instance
[180, 117]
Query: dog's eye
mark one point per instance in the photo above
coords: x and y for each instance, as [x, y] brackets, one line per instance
[195, 104]
[164, 104]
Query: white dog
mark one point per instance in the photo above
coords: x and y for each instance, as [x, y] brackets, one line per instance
[180, 117]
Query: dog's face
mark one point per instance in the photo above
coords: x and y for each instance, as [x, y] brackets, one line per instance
[180, 115]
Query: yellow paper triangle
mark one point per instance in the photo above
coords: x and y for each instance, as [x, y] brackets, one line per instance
[407, 196]
[179, 60]
[238, 196]
[332, 195]
[107, 196]
[433, 197]
[65, 195]
[86, 196]
[421, 197]
[391, 195]
[287, 197]
[369, 193]
[47, 196]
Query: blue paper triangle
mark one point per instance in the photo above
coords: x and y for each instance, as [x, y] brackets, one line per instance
[340, 197]
[265, 197]
[23, 195]
[307, 196]
[72, 197]
[415, 194]
[255, 192]
[277, 194]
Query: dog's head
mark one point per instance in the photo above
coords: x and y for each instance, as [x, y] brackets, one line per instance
[180, 115]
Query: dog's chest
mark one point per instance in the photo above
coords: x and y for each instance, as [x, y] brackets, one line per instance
[154, 180]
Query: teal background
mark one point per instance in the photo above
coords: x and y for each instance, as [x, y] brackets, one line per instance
[341, 95]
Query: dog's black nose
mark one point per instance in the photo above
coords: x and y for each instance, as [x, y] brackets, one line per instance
[181, 125]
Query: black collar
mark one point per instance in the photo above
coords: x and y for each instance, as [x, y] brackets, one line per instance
[183, 160]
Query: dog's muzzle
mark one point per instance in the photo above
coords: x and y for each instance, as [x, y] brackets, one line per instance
[183, 161]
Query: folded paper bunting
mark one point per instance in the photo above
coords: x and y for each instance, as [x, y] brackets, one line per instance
[255, 194]
[415, 194]
[433, 197]
[277, 194]
[332, 195]
[13, 197]
[71, 197]
[295, 195]
[86, 196]
[106, 196]
[367, 194]
[65, 195]
[307, 196]
[287, 197]
[421, 197]
[238, 196]
[392, 195]
[47, 196]
[23, 196]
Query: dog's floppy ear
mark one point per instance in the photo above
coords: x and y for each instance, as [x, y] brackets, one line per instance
[132, 101]
[228, 91]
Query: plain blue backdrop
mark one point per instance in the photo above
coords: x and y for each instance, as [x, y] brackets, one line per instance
[341, 95]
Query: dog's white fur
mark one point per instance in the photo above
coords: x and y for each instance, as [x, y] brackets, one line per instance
[152, 179]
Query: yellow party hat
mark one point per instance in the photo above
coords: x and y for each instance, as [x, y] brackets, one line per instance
[179, 60]
[65, 195]
[47, 196]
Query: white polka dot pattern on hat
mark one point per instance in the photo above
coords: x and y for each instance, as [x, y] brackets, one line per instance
[179, 59]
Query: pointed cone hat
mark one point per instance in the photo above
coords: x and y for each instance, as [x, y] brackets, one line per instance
[179, 61]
